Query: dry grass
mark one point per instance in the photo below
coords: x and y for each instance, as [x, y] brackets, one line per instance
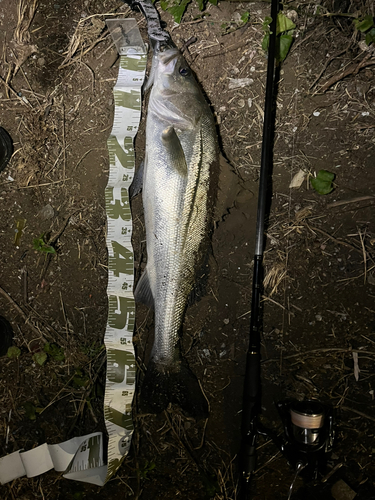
[274, 278]
[26, 10]
[89, 32]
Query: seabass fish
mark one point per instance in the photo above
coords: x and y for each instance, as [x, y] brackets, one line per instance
[181, 148]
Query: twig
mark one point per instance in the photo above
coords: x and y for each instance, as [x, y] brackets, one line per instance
[82, 158]
[203, 435]
[339, 242]
[24, 285]
[27, 81]
[65, 318]
[230, 48]
[268, 462]
[22, 313]
[358, 413]
[264, 297]
[13, 302]
[364, 255]
[54, 165]
[26, 103]
[51, 242]
[92, 75]
[352, 69]
[63, 138]
[322, 350]
[352, 200]
[355, 277]
[44, 184]
[326, 66]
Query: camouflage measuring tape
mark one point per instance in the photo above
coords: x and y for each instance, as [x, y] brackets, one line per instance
[120, 384]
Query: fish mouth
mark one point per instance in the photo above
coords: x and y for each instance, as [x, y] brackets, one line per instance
[168, 59]
[166, 56]
[166, 53]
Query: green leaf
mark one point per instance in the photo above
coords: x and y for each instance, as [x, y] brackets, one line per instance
[177, 9]
[267, 21]
[322, 183]
[245, 17]
[30, 410]
[266, 42]
[40, 358]
[283, 24]
[201, 4]
[148, 467]
[56, 352]
[80, 379]
[283, 45]
[14, 352]
[214, 2]
[370, 36]
[40, 244]
[364, 24]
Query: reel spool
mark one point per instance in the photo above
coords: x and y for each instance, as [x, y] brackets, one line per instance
[308, 434]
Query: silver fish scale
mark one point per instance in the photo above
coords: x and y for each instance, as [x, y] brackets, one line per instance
[176, 206]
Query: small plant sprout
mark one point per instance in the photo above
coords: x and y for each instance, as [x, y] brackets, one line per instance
[14, 352]
[147, 468]
[323, 182]
[366, 25]
[54, 351]
[40, 358]
[40, 244]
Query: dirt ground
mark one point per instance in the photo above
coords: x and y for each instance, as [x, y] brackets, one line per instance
[318, 336]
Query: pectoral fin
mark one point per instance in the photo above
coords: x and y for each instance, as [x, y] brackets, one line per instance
[175, 153]
[143, 291]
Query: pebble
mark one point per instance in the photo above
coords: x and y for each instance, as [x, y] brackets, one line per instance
[292, 15]
[342, 491]
[237, 83]
[47, 212]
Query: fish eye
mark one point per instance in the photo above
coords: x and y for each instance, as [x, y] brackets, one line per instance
[184, 71]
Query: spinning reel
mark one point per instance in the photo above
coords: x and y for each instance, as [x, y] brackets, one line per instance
[308, 437]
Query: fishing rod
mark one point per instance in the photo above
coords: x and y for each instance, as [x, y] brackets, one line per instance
[252, 386]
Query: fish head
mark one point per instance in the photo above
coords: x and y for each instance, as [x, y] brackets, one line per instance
[176, 94]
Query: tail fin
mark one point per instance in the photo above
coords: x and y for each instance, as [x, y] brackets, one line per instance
[177, 385]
